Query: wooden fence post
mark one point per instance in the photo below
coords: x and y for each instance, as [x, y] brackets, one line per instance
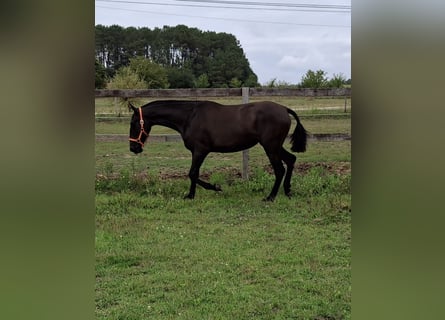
[245, 171]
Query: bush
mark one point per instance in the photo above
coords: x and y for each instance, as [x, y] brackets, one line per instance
[338, 81]
[126, 78]
[154, 75]
[202, 81]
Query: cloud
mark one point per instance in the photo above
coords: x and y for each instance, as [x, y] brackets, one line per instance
[292, 61]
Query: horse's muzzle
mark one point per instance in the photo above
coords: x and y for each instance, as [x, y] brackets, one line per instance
[136, 148]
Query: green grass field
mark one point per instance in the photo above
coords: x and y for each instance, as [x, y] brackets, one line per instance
[223, 255]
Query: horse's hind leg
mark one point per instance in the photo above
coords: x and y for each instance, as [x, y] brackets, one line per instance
[278, 169]
[209, 186]
[289, 159]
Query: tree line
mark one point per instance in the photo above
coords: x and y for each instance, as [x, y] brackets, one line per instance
[182, 57]
[170, 57]
[313, 79]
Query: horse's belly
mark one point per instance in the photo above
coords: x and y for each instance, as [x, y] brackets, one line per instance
[233, 148]
[233, 143]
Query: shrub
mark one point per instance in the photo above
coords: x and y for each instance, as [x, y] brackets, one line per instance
[126, 78]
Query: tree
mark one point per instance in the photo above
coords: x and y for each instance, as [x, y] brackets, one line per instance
[101, 75]
[218, 55]
[181, 78]
[314, 80]
[251, 81]
[235, 83]
[271, 83]
[114, 44]
[152, 73]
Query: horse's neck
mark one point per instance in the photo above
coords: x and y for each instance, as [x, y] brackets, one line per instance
[173, 117]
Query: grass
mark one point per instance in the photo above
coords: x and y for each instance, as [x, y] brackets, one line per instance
[224, 255]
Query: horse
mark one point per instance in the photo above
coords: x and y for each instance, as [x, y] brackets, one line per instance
[207, 126]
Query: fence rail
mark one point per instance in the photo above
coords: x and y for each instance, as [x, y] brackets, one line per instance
[177, 137]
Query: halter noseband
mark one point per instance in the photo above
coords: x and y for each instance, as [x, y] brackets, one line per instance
[141, 121]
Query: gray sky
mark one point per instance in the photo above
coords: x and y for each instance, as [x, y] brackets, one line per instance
[282, 39]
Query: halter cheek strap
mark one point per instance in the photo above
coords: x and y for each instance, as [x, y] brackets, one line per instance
[141, 121]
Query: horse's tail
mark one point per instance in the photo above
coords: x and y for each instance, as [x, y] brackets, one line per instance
[299, 137]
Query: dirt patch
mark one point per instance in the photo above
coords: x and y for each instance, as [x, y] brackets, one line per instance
[339, 168]
[332, 167]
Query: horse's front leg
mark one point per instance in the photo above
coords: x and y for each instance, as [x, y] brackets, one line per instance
[197, 160]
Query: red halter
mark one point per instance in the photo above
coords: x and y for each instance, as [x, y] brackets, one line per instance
[141, 121]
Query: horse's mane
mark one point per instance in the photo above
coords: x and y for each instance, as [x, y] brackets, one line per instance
[166, 103]
[169, 103]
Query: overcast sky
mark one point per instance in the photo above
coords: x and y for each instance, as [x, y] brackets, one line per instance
[282, 39]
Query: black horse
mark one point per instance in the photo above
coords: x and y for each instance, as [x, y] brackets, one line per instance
[207, 126]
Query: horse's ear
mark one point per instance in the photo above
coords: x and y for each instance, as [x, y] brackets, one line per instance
[131, 107]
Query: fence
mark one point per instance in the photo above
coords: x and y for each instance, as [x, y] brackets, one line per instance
[245, 93]
[223, 92]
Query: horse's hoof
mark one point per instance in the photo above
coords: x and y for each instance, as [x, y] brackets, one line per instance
[218, 187]
[189, 197]
[269, 199]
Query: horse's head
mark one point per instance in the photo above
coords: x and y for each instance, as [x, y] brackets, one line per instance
[139, 130]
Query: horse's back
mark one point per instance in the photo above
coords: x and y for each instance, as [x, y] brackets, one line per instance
[273, 111]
